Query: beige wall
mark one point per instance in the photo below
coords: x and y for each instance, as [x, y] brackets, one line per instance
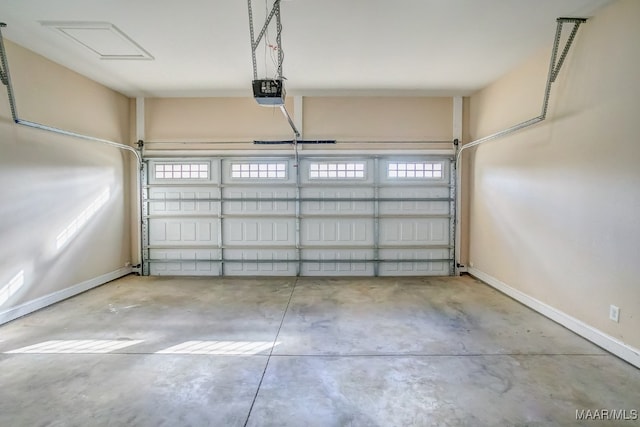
[54, 95]
[49, 181]
[346, 119]
[378, 118]
[555, 209]
[213, 120]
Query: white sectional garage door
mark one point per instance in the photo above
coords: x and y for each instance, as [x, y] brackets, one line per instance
[364, 216]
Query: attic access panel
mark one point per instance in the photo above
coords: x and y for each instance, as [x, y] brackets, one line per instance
[101, 38]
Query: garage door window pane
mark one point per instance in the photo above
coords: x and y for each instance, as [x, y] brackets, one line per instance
[410, 170]
[181, 171]
[353, 170]
[274, 170]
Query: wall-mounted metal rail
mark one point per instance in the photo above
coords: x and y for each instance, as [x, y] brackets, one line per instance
[554, 69]
[555, 64]
[255, 41]
[5, 77]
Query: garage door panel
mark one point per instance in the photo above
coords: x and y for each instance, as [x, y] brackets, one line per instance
[412, 207]
[331, 171]
[414, 191]
[258, 231]
[183, 232]
[417, 268]
[258, 171]
[183, 171]
[337, 232]
[180, 262]
[337, 207]
[256, 262]
[415, 170]
[269, 205]
[320, 204]
[409, 206]
[343, 192]
[334, 262]
[185, 205]
[414, 231]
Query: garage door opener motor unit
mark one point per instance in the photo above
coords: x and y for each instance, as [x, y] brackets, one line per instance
[269, 92]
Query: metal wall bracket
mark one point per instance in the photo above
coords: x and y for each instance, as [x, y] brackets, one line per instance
[557, 65]
[5, 76]
[255, 41]
[4, 69]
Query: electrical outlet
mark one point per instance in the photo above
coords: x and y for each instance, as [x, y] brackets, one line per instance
[614, 313]
[471, 264]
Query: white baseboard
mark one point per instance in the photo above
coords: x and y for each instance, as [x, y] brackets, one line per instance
[44, 301]
[599, 338]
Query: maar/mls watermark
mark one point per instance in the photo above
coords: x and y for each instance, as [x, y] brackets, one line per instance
[607, 414]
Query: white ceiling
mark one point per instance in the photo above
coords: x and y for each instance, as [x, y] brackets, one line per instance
[202, 48]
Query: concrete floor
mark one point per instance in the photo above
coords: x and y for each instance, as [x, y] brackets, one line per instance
[302, 352]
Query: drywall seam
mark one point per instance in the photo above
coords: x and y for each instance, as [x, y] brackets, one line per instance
[46, 300]
[599, 338]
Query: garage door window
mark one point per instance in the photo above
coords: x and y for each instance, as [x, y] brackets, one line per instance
[323, 170]
[426, 170]
[182, 171]
[269, 170]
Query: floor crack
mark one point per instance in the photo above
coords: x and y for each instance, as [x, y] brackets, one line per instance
[273, 346]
